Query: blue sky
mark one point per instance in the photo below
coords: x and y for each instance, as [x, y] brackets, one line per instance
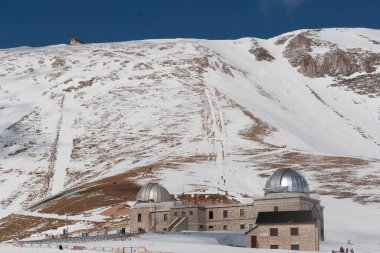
[48, 22]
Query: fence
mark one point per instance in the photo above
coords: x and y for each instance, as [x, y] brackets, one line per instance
[79, 239]
[54, 243]
[90, 248]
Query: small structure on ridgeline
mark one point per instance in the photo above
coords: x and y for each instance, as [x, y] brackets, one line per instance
[285, 218]
[75, 41]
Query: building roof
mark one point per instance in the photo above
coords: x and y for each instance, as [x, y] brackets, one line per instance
[161, 206]
[153, 192]
[285, 217]
[252, 230]
[286, 180]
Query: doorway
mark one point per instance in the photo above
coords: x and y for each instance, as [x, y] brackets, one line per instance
[253, 241]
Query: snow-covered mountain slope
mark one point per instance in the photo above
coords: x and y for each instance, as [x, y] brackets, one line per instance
[196, 112]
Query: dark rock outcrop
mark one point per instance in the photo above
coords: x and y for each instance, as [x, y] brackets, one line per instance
[260, 53]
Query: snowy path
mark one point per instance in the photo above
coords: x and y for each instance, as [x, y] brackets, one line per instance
[218, 133]
[65, 145]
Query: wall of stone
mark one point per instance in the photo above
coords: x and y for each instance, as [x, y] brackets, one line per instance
[283, 204]
[156, 220]
[181, 225]
[293, 204]
[161, 224]
[233, 221]
[145, 222]
[248, 242]
[307, 239]
[198, 216]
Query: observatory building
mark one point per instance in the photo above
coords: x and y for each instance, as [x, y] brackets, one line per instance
[285, 218]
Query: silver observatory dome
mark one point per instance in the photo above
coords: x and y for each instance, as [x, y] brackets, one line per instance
[153, 192]
[286, 180]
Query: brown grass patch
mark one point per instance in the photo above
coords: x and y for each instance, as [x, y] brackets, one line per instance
[105, 192]
[117, 210]
[109, 191]
[259, 130]
[20, 226]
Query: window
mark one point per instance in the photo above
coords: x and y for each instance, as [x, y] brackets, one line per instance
[200, 226]
[183, 214]
[242, 226]
[175, 213]
[250, 226]
[273, 231]
[225, 227]
[165, 217]
[295, 247]
[139, 217]
[225, 213]
[293, 231]
[210, 227]
[211, 215]
[274, 246]
[242, 213]
[276, 208]
[191, 212]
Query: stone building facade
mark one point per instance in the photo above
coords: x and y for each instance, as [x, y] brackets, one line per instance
[292, 230]
[286, 191]
[176, 216]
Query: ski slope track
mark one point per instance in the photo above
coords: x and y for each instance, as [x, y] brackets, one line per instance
[207, 116]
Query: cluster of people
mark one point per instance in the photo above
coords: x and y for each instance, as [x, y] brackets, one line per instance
[341, 250]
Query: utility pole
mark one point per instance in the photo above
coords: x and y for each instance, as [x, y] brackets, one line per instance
[67, 225]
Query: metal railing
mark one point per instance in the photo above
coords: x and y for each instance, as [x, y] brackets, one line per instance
[79, 239]
[57, 242]
[90, 248]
